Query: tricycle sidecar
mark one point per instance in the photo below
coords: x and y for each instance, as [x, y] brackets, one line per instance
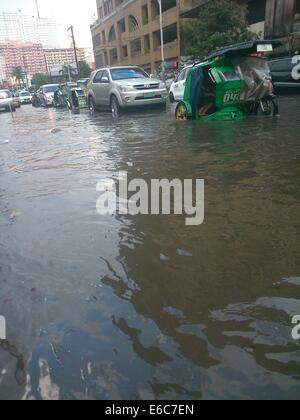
[231, 83]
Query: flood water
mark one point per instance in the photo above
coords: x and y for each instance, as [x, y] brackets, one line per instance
[144, 307]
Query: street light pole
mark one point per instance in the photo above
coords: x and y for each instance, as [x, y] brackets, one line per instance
[75, 50]
[162, 40]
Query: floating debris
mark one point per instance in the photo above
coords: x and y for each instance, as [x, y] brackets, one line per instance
[14, 215]
[55, 130]
[164, 258]
[183, 253]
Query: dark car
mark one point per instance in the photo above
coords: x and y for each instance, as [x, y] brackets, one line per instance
[286, 73]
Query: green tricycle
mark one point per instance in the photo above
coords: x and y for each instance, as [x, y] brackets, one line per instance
[231, 83]
[71, 96]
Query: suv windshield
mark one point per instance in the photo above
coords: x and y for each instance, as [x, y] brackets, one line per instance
[25, 94]
[51, 89]
[5, 94]
[123, 74]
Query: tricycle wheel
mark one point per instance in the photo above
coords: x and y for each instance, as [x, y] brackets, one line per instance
[181, 112]
[268, 107]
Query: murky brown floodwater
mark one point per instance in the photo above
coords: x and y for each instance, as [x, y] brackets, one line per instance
[94, 311]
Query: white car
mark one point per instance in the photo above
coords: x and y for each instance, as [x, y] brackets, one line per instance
[25, 97]
[7, 101]
[178, 86]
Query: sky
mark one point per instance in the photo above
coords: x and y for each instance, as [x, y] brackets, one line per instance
[70, 12]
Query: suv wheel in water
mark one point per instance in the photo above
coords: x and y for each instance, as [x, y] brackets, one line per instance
[92, 105]
[115, 106]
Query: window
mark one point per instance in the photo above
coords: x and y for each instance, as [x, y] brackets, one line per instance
[145, 15]
[128, 73]
[5, 94]
[112, 34]
[122, 26]
[136, 47]
[98, 77]
[113, 55]
[125, 51]
[281, 66]
[133, 23]
[182, 75]
[97, 40]
[105, 74]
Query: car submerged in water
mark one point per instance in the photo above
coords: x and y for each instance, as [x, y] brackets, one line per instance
[7, 102]
[25, 97]
[44, 96]
[123, 88]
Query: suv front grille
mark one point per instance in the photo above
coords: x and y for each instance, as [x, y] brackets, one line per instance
[147, 87]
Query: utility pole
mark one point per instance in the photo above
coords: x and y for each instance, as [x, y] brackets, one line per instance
[75, 49]
[162, 40]
[37, 9]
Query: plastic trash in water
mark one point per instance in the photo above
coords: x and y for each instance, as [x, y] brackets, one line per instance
[183, 253]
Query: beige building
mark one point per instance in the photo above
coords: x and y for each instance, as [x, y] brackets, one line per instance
[128, 32]
[61, 56]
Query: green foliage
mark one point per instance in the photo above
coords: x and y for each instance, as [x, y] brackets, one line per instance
[85, 70]
[18, 74]
[68, 72]
[40, 79]
[219, 23]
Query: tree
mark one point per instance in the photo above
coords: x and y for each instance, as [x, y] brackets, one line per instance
[219, 23]
[18, 74]
[68, 72]
[40, 79]
[85, 70]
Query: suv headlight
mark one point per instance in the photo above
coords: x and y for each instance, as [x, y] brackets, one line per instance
[125, 88]
[162, 85]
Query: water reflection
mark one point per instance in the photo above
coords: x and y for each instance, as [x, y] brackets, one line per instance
[96, 309]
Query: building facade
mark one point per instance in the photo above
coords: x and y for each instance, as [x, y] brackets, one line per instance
[15, 26]
[30, 57]
[61, 56]
[128, 31]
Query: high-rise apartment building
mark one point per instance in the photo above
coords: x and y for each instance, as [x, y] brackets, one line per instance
[61, 56]
[17, 27]
[30, 57]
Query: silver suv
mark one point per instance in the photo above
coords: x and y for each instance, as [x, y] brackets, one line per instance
[124, 87]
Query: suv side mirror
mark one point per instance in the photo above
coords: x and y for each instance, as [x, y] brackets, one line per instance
[105, 79]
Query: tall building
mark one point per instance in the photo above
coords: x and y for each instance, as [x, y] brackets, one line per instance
[48, 32]
[10, 27]
[17, 27]
[30, 57]
[3, 77]
[60, 56]
[128, 31]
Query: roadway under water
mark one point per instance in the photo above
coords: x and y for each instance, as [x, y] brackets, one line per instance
[144, 307]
